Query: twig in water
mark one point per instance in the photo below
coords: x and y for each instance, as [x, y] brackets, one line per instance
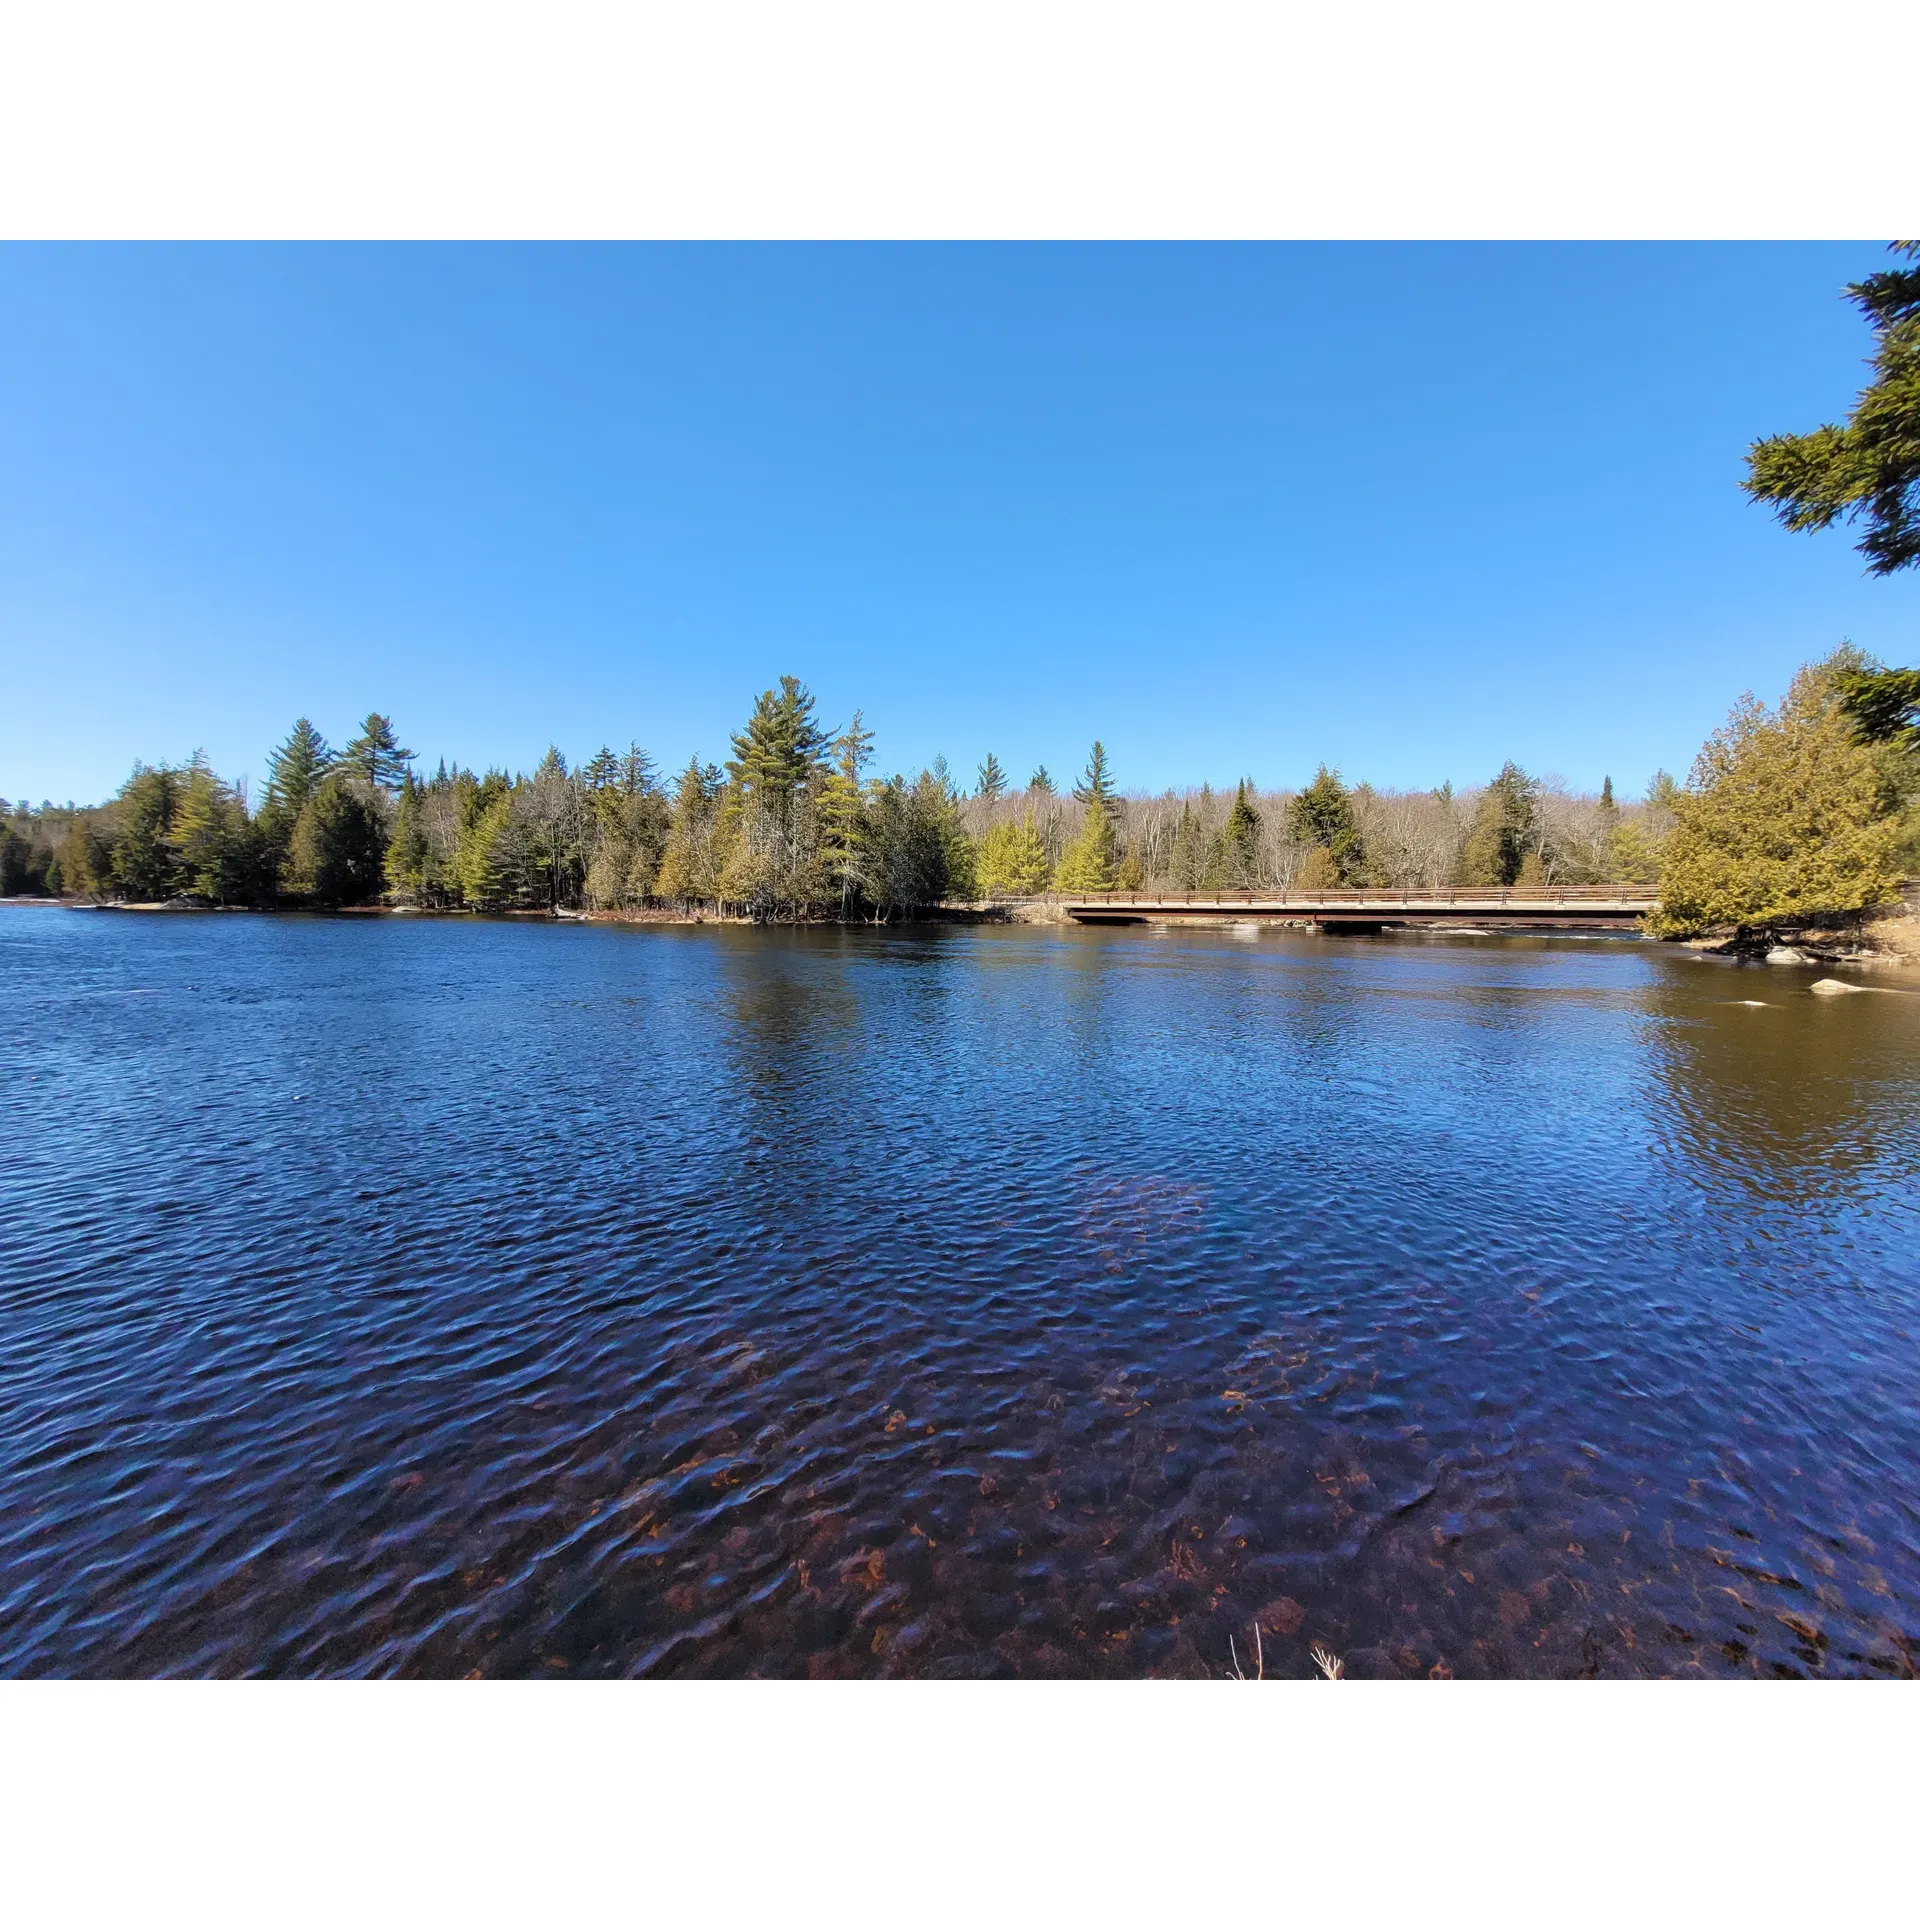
[1259, 1656]
[1330, 1664]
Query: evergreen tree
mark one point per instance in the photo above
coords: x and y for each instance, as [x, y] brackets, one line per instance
[1882, 702]
[912, 828]
[769, 840]
[1040, 781]
[625, 861]
[622, 828]
[376, 756]
[295, 769]
[86, 859]
[770, 836]
[1786, 817]
[688, 867]
[1189, 850]
[893, 876]
[780, 748]
[1607, 833]
[1236, 855]
[145, 863]
[993, 779]
[1320, 870]
[1870, 468]
[213, 840]
[637, 775]
[1012, 858]
[336, 857]
[1321, 816]
[408, 854]
[1633, 855]
[488, 866]
[958, 876]
[449, 805]
[1503, 826]
[844, 838]
[1096, 784]
[1088, 865]
[1883, 706]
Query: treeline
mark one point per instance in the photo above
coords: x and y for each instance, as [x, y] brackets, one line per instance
[1808, 811]
[320, 836]
[1515, 831]
[791, 826]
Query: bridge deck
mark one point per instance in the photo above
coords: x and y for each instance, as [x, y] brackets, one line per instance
[1606, 906]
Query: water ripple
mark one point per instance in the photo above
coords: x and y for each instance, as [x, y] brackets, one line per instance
[416, 1297]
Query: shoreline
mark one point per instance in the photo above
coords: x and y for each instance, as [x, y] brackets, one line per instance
[1887, 936]
[998, 914]
[1883, 938]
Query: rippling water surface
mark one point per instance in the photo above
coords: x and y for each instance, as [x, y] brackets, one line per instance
[444, 1297]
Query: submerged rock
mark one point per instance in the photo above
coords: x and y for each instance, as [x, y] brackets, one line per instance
[1837, 986]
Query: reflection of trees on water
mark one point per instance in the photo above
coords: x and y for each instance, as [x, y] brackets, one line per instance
[847, 1044]
[1800, 1102]
[794, 1040]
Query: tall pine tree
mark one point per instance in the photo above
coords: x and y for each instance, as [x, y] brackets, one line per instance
[780, 747]
[1088, 865]
[295, 769]
[376, 756]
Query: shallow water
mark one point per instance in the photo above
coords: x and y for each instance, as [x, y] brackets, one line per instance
[446, 1297]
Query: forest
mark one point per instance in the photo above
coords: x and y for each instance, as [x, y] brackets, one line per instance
[792, 826]
[1813, 809]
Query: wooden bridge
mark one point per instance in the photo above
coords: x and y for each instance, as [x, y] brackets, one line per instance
[1369, 909]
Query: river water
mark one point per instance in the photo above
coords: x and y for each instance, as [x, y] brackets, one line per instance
[410, 1296]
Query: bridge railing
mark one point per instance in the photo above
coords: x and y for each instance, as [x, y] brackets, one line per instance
[1639, 898]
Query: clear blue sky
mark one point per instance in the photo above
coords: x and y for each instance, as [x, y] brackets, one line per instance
[1408, 509]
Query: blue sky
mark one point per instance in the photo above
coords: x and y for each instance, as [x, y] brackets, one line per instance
[1407, 509]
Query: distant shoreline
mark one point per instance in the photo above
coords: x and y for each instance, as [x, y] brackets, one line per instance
[999, 915]
[1886, 937]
